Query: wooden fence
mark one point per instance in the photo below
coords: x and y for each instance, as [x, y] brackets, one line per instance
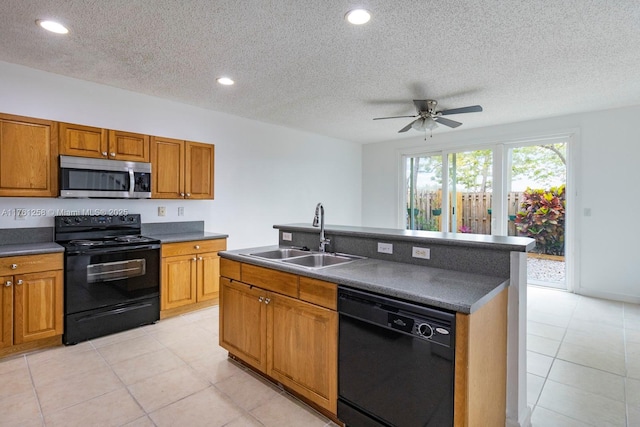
[474, 211]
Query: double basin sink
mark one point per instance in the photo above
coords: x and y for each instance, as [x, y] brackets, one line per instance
[307, 259]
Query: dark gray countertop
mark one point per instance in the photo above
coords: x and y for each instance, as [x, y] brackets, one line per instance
[186, 237]
[509, 243]
[30, 249]
[447, 289]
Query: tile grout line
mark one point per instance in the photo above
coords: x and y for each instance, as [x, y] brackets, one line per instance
[35, 390]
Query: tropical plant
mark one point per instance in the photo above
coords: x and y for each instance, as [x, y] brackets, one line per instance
[542, 217]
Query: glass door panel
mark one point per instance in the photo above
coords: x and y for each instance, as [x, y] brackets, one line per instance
[423, 183]
[536, 207]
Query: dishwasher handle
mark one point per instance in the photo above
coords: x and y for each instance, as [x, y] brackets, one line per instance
[368, 311]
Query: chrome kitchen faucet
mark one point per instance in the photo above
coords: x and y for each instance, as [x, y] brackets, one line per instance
[319, 217]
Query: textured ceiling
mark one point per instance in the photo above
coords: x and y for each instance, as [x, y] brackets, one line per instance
[299, 64]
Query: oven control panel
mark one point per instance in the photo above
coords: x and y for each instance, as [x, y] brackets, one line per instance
[70, 221]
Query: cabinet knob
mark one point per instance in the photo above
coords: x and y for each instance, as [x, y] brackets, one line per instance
[19, 282]
[193, 259]
[14, 266]
[196, 247]
[267, 300]
[112, 154]
[8, 283]
[199, 258]
[104, 154]
[261, 299]
[182, 194]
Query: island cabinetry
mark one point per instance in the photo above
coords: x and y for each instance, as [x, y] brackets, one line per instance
[31, 302]
[266, 323]
[28, 157]
[190, 273]
[182, 169]
[87, 141]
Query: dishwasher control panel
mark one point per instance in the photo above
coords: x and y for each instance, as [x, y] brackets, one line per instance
[425, 328]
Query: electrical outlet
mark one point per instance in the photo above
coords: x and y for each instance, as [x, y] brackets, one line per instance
[162, 211]
[424, 253]
[287, 236]
[385, 248]
[181, 211]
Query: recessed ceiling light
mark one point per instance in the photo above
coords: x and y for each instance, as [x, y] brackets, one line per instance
[358, 16]
[225, 81]
[54, 27]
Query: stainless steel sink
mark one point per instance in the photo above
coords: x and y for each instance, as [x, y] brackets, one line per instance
[306, 259]
[320, 260]
[281, 253]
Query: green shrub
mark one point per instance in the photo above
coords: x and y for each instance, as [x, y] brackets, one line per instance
[542, 218]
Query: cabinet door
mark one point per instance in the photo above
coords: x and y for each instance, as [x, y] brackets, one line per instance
[128, 146]
[199, 170]
[243, 322]
[167, 168]
[208, 276]
[302, 343]
[83, 141]
[179, 275]
[28, 157]
[37, 306]
[6, 311]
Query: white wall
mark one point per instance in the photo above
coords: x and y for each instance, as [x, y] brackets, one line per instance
[607, 145]
[264, 174]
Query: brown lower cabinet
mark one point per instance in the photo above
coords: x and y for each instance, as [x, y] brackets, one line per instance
[291, 340]
[190, 273]
[31, 299]
[286, 326]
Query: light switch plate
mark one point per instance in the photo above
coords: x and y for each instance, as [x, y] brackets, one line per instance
[385, 248]
[287, 236]
[162, 211]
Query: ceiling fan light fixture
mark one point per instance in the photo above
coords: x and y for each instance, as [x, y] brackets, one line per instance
[430, 124]
[225, 81]
[53, 26]
[358, 16]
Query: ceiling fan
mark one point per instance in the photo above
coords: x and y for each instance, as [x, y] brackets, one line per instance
[429, 118]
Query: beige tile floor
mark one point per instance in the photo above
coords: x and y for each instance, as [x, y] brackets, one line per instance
[583, 370]
[583, 360]
[172, 373]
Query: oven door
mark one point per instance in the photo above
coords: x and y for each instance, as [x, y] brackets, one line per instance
[96, 278]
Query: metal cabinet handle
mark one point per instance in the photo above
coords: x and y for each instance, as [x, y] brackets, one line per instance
[14, 266]
[8, 283]
[113, 154]
[267, 300]
[188, 194]
[261, 299]
[199, 258]
[182, 194]
[19, 282]
[196, 247]
[104, 154]
[193, 259]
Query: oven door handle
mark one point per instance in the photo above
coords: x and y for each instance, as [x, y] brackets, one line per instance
[116, 249]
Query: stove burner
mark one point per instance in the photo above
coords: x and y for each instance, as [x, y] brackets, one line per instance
[85, 242]
[129, 239]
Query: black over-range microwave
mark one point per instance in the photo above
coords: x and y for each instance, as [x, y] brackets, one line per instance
[114, 179]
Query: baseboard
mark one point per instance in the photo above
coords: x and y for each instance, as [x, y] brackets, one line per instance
[524, 421]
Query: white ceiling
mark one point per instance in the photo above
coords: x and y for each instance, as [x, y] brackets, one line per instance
[299, 64]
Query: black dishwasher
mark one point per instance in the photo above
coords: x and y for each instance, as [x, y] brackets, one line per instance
[395, 362]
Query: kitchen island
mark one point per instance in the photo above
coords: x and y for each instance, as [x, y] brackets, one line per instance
[469, 275]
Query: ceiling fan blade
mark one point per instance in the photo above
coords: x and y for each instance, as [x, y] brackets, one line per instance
[470, 109]
[407, 127]
[421, 104]
[393, 117]
[447, 122]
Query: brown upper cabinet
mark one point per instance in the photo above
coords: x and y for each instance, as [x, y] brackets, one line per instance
[28, 157]
[87, 141]
[186, 169]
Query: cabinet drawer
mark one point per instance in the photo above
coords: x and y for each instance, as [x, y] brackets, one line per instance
[230, 269]
[271, 280]
[30, 263]
[193, 247]
[319, 292]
